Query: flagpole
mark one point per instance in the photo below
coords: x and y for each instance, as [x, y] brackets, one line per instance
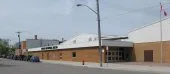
[161, 34]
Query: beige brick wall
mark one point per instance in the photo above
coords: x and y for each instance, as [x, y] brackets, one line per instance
[155, 46]
[90, 54]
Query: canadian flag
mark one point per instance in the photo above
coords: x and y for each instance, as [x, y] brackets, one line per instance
[163, 10]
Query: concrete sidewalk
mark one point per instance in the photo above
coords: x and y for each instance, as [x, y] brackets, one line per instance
[114, 66]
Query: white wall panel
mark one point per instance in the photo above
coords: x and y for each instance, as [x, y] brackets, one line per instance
[78, 45]
[151, 33]
[35, 49]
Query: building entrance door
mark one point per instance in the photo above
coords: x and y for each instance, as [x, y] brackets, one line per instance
[115, 54]
[148, 55]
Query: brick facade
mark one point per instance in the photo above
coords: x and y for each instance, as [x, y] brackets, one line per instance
[155, 46]
[23, 50]
[89, 54]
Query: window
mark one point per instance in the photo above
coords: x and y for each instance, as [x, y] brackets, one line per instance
[49, 47]
[109, 53]
[55, 47]
[116, 58]
[117, 53]
[121, 49]
[60, 54]
[60, 57]
[120, 58]
[113, 53]
[90, 39]
[73, 54]
[109, 58]
[120, 53]
[42, 48]
[113, 58]
[95, 39]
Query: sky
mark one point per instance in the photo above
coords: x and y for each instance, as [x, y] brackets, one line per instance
[56, 19]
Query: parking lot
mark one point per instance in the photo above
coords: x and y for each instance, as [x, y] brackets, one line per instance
[22, 67]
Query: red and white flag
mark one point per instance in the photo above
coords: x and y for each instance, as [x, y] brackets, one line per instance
[165, 14]
[163, 10]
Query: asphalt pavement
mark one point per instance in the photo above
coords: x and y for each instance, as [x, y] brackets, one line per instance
[22, 67]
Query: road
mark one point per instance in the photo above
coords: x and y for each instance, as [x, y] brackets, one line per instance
[21, 67]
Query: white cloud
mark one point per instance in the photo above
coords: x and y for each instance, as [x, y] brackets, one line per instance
[61, 7]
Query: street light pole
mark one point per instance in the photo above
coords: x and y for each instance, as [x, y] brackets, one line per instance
[99, 29]
[99, 32]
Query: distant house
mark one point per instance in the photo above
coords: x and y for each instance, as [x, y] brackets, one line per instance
[84, 47]
[35, 43]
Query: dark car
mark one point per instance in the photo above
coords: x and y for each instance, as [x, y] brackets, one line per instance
[35, 59]
[27, 58]
[22, 57]
[16, 57]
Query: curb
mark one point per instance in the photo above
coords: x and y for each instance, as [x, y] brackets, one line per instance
[118, 67]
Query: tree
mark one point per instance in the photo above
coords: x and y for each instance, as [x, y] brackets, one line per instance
[5, 49]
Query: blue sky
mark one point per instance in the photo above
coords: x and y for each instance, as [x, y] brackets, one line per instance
[54, 19]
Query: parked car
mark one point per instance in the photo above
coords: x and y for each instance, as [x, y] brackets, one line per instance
[35, 59]
[22, 57]
[4, 56]
[16, 57]
[10, 56]
[27, 58]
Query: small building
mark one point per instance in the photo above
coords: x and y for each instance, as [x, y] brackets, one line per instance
[35, 43]
[23, 49]
[84, 47]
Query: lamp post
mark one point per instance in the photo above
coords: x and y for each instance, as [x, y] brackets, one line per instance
[99, 29]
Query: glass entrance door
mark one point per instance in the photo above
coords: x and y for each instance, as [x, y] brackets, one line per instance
[115, 54]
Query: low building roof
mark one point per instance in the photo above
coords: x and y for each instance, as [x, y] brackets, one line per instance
[91, 40]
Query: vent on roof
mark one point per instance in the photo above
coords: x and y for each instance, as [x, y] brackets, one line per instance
[74, 41]
[95, 39]
[90, 39]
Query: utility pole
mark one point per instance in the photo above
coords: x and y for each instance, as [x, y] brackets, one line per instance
[19, 41]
